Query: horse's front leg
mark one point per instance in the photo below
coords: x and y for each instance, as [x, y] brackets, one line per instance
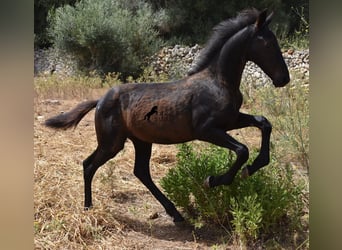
[222, 139]
[263, 158]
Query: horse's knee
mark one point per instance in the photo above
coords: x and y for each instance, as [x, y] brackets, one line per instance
[89, 160]
[242, 153]
[88, 172]
[265, 124]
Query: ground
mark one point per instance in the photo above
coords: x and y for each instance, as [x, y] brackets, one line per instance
[125, 214]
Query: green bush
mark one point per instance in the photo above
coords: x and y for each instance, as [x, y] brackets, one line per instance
[250, 206]
[191, 21]
[106, 35]
[41, 10]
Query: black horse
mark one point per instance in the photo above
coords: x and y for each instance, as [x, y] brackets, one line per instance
[203, 105]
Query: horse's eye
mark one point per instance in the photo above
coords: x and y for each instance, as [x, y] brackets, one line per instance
[264, 41]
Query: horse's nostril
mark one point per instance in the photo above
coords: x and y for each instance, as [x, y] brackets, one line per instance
[286, 79]
[281, 81]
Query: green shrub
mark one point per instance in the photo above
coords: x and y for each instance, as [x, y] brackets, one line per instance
[299, 36]
[191, 21]
[250, 206]
[106, 35]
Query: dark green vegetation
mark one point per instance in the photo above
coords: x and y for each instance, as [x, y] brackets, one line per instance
[117, 36]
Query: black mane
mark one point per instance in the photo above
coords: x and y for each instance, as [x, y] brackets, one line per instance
[221, 33]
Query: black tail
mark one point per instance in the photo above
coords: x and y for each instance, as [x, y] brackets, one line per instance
[71, 118]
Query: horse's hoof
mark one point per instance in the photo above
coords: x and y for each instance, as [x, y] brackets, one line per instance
[206, 183]
[244, 173]
[88, 208]
[181, 224]
[178, 219]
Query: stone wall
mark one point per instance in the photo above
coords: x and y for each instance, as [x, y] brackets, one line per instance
[50, 61]
[174, 62]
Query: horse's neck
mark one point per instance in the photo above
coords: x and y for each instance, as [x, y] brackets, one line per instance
[232, 59]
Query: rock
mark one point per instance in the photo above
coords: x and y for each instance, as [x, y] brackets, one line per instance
[52, 102]
[290, 51]
[178, 60]
[50, 61]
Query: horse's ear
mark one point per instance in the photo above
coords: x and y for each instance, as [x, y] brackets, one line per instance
[261, 19]
[269, 18]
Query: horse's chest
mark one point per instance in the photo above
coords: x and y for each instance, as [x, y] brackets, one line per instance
[235, 100]
[227, 115]
[230, 104]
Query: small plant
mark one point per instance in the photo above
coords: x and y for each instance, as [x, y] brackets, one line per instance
[250, 207]
[299, 37]
[247, 216]
[149, 75]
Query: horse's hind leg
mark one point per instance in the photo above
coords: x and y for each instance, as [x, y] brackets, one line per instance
[101, 155]
[142, 172]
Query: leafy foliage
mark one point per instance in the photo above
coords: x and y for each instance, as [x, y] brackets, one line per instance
[191, 21]
[41, 10]
[252, 206]
[106, 35]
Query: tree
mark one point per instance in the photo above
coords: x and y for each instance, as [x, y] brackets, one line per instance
[192, 20]
[106, 35]
[41, 10]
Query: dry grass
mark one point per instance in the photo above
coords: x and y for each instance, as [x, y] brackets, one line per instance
[123, 207]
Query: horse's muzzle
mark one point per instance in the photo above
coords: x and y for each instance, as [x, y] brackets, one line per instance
[281, 81]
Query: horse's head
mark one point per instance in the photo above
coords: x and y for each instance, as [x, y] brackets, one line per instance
[265, 51]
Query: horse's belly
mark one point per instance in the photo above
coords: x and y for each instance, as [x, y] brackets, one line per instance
[165, 120]
[157, 130]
